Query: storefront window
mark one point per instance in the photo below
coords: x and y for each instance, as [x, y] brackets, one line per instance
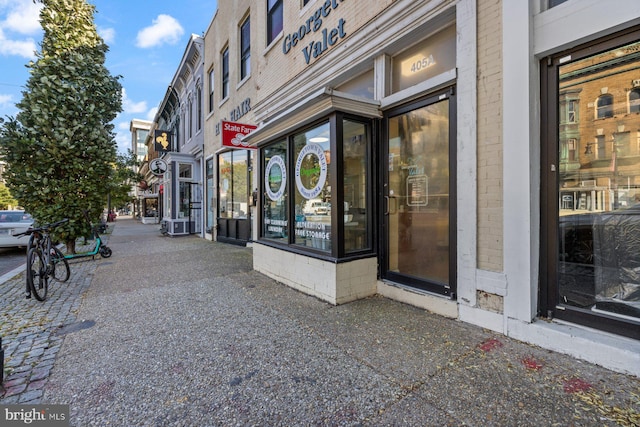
[356, 186]
[184, 189]
[598, 190]
[233, 184]
[210, 196]
[307, 167]
[275, 218]
[312, 190]
[185, 197]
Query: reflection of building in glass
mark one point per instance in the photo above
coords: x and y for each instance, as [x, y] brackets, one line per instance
[599, 136]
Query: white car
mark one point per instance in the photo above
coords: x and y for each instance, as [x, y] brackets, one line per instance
[11, 223]
[315, 207]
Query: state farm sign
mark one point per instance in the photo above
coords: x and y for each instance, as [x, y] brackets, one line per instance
[232, 134]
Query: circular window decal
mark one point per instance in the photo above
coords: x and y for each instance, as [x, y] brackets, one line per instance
[275, 178]
[311, 167]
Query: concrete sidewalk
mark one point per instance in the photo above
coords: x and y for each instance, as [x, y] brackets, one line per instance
[182, 332]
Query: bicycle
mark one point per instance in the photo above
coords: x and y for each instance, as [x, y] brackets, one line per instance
[44, 260]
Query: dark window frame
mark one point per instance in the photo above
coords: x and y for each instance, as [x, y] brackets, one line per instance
[225, 73]
[549, 302]
[275, 19]
[336, 180]
[245, 48]
[212, 76]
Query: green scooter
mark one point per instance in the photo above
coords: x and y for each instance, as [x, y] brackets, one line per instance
[100, 247]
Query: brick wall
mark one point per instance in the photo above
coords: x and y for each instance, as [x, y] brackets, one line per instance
[489, 129]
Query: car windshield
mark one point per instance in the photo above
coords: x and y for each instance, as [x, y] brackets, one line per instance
[15, 217]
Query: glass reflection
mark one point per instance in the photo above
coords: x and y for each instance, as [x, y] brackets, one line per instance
[313, 191]
[599, 180]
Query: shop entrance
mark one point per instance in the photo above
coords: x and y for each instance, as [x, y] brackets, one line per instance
[590, 182]
[419, 195]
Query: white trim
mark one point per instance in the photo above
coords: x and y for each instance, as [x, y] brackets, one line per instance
[611, 351]
[441, 80]
[579, 21]
[466, 150]
[520, 229]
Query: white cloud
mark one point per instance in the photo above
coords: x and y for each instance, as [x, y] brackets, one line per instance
[107, 34]
[165, 29]
[5, 99]
[25, 48]
[123, 141]
[23, 16]
[152, 114]
[130, 107]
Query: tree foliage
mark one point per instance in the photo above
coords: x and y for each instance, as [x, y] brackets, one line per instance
[60, 148]
[124, 178]
[6, 199]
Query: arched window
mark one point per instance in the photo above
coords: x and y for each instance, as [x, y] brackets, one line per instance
[634, 101]
[604, 106]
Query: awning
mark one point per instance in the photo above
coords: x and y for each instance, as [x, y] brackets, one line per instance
[311, 108]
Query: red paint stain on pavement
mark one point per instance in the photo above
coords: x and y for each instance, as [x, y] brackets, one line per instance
[531, 363]
[490, 344]
[574, 385]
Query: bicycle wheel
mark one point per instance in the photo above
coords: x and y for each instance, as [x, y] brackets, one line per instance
[37, 277]
[61, 271]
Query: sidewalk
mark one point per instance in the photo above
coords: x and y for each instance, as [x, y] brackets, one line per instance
[182, 332]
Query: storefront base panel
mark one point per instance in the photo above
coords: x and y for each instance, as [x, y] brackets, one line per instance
[150, 220]
[613, 352]
[336, 283]
[177, 227]
[432, 303]
[483, 318]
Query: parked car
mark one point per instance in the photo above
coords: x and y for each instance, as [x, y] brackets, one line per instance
[315, 207]
[11, 223]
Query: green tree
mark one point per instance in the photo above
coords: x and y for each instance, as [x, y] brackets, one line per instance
[123, 179]
[6, 199]
[60, 148]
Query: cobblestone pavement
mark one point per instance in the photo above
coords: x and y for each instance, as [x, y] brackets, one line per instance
[32, 331]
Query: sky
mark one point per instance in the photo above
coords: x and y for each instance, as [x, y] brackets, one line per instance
[146, 40]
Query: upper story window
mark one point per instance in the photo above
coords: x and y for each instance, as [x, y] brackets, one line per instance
[198, 108]
[572, 108]
[634, 101]
[554, 3]
[211, 92]
[604, 107]
[225, 73]
[245, 49]
[191, 117]
[274, 19]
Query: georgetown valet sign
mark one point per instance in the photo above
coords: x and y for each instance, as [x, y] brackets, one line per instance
[313, 24]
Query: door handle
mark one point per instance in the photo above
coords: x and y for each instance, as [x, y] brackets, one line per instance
[388, 202]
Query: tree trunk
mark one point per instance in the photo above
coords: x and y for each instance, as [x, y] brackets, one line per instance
[71, 246]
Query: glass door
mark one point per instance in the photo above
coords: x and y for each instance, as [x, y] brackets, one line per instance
[592, 187]
[419, 195]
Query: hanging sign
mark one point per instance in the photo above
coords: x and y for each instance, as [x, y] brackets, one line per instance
[158, 166]
[162, 140]
[232, 134]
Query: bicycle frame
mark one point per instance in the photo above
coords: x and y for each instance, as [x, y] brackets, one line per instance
[44, 256]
